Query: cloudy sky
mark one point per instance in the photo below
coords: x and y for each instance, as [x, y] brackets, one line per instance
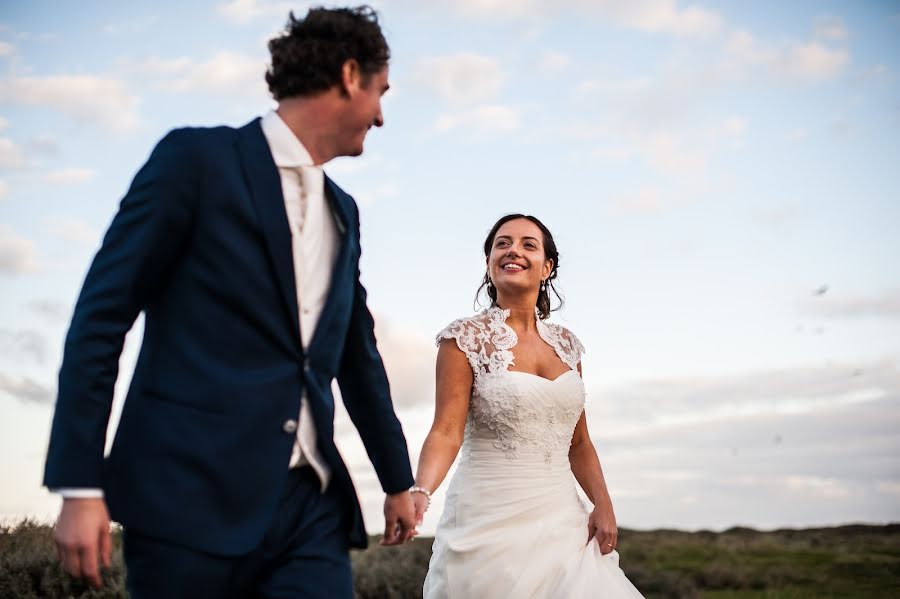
[721, 179]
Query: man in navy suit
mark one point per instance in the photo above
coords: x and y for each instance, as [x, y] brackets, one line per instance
[244, 258]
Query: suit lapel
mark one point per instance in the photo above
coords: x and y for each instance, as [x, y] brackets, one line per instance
[337, 199]
[334, 195]
[268, 198]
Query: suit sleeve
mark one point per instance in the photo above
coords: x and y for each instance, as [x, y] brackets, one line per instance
[141, 246]
[367, 397]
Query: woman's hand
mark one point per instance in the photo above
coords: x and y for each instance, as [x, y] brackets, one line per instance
[420, 501]
[602, 525]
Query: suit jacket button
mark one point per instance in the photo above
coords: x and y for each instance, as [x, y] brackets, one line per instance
[306, 365]
[290, 426]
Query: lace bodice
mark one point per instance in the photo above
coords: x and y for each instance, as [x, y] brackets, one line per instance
[516, 409]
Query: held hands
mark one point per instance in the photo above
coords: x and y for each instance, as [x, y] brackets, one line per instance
[82, 538]
[399, 519]
[602, 525]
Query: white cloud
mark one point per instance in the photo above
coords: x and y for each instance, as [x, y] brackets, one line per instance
[385, 191]
[499, 9]
[748, 50]
[165, 67]
[798, 390]
[461, 78]
[225, 72]
[96, 100]
[74, 231]
[599, 88]
[831, 28]
[6, 49]
[245, 11]
[821, 486]
[876, 71]
[885, 305]
[11, 155]
[45, 145]
[4, 189]
[814, 61]
[484, 119]
[668, 153]
[17, 254]
[760, 444]
[69, 176]
[3, 124]
[52, 310]
[19, 344]
[730, 130]
[651, 16]
[779, 216]
[732, 126]
[797, 134]
[661, 16]
[131, 26]
[810, 61]
[25, 389]
[552, 62]
[646, 200]
[888, 486]
[613, 153]
[409, 362]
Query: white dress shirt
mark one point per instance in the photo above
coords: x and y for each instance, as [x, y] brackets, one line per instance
[314, 245]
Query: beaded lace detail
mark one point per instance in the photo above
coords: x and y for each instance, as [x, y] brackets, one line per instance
[500, 408]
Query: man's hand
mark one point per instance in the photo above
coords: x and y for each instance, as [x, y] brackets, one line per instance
[399, 519]
[82, 538]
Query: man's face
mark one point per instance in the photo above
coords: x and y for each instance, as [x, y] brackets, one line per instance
[362, 110]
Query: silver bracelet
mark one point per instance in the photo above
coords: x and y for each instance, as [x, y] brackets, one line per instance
[423, 491]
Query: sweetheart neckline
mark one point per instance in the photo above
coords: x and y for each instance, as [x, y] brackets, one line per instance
[543, 377]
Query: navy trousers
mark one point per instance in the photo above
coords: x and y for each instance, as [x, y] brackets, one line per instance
[305, 553]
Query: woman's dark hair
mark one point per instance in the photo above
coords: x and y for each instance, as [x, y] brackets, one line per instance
[550, 253]
[308, 56]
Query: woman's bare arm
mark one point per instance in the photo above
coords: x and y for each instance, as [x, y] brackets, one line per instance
[586, 467]
[453, 390]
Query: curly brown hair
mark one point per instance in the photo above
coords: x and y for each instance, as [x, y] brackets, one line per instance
[307, 57]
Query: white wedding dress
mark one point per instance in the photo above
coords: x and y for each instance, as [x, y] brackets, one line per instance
[513, 524]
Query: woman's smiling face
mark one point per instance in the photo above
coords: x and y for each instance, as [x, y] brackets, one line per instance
[517, 262]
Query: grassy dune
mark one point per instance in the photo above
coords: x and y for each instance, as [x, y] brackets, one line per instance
[857, 562]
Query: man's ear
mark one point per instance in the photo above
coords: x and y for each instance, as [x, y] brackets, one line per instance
[351, 77]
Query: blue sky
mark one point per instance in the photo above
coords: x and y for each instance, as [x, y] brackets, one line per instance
[704, 168]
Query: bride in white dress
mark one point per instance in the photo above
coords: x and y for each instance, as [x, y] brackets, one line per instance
[510, 401]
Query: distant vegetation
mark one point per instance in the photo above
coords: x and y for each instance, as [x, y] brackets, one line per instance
[858, 562]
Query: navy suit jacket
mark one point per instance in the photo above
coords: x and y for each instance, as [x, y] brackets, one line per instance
[201, 245]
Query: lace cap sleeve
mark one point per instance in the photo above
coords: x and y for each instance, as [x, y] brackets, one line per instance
[568, 347]
[472, 337]
[456, 330]
[575, 347]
